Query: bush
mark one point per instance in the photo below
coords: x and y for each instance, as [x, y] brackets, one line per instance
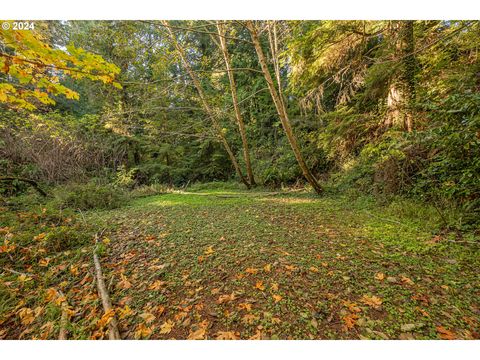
[90, 196]
[64, 238]
[149, 190]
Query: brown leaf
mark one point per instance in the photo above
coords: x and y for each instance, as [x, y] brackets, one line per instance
[245, 306]
[446, 334]
[276, 297]
[226, 335]
[251, 271]
[197, 335]
[142, 331]
[226, 298]
[259, 285]
[27, 315]
[372, 301]
[249, 318]
[147, 317]
[166, 327]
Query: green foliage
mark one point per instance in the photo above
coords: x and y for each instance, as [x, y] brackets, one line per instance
[89, 196]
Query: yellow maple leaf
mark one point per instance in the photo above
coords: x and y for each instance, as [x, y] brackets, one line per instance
[245, 306]
[290, 267]
[267, 268]
[274, 286]
[372, 301]
[142, 331]
[209, 250]
[256, 336]
[226, 298]
[27, 315]
[147, 317]
[156, 285]
[40, 236]
[313, 269]
[44, 262]
[106, 318]
[276, 297]
[252, 271]
[166, 327]
[380, 276]
[259, 285]
[125, 312]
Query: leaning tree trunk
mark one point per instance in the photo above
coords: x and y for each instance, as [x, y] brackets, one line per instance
[281, 110]
[205, 103]
[238, 115]
[401, 94]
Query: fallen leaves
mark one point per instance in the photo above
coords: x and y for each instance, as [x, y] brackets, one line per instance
[251, 271]
[249, 319]
[380, 276]
[209, 251]
[226, 298]
[125, 312]
[245, 306]
[197, 335]
[267, 268]
[445, 334]
[27, 315]
[106, 318]
[259, 285]
[226, 335]
[372, 301]
[147, 317]
[156, 285]
[276, 297]
[124, 283]
[313, 269]
[167, 327]
[349, 321]
[143, 331]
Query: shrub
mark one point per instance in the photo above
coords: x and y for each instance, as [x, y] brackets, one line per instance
[90, 196]
[67, 237]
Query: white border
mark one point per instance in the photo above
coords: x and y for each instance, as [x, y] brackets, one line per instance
[239, 9]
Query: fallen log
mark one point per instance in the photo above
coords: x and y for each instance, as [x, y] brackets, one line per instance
[28, 181]
[113, 332]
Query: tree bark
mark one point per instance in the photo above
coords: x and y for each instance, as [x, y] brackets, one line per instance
[281, 110]
[205, 103]
[238, 114]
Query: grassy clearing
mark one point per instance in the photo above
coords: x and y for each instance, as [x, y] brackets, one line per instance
[220, 262]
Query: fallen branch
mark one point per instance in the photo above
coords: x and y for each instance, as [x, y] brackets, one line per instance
[28, 181]
[113, 332]
[62, 335]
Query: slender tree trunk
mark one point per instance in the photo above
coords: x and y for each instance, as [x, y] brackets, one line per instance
[238, 114]
[401, 94]
[205, 103]
[281, 110]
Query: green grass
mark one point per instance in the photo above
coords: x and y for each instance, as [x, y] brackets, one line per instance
[310, 260]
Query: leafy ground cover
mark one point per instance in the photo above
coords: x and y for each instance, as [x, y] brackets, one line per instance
[219, 263]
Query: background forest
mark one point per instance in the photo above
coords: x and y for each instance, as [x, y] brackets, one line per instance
[381, 107]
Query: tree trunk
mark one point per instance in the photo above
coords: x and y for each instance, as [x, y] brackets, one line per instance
[238, 115]
[401, 94]
[205, 104]
[281, 110]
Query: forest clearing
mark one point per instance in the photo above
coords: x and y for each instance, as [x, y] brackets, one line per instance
[226, 180]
